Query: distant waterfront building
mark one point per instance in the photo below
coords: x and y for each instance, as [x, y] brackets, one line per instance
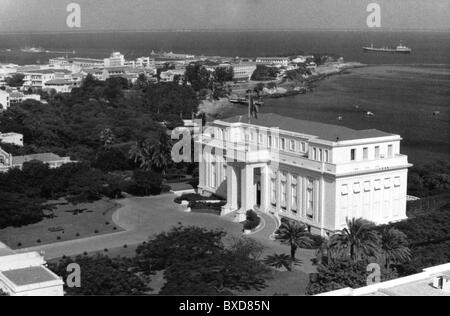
[7, 161]
[27, 275]
[243, 71]
[115, 60]
[36, 79]
[12, 138]
[318, 174]
[5, 102]
[273, 61]
[434, 281]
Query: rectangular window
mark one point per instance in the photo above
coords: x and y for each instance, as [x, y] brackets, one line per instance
[353, 155]
[365, 153]
[292, 145]
[284, 191]
[303, 147]
[310, 199]
[320, 155]
[314, 156]
[390, 151]
[294, 198]
[261, 138]
[327, 156]
[269, 141]
[283, 144]
[377, 152]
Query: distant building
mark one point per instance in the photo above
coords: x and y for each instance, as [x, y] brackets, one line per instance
[115, 60]
[61, 85]
[37, 79]
[273, 61]
[7, 161]
[434, 281]
[169, 75]
[16, 97]
[5, 101]
[243, 71]
[26, 274]
[12, 138]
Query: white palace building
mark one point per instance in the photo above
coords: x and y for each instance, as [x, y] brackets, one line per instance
[318, 174]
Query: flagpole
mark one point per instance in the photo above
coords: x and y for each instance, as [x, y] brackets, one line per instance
[249, 107]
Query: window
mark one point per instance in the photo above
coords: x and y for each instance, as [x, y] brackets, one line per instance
[327, 156]
[353, 155]
[269, 141]
[390, 151]
[283, 144]
[303, 147]
[292, 145]
[283, 194]
[314, 156]
[261, 138]
[213, 175]
[310, 199]
[365, 153]
[273, 195]
[377, 152]
[320, 155]
[294, 198]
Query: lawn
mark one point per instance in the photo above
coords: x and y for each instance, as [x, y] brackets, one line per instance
[67, 222]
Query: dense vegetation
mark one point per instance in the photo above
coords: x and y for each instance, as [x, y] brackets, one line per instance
[264, 73]
[431, 179]
[194, 262]
[117, 134]
[101, 275]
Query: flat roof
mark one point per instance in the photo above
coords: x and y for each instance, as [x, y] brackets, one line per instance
[28, 276]
[47, 157]
[321, 130]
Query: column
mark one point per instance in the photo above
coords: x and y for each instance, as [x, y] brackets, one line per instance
[247, 194]
[232, 192]
[265, 188]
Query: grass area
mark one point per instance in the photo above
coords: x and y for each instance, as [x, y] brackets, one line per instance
[67, 222]
[283, 283]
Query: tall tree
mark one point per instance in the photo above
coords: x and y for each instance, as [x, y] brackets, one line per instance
[394, 247]
[359, 239]
[295, 236]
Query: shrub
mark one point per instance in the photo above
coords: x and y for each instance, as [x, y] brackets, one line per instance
[252, 221]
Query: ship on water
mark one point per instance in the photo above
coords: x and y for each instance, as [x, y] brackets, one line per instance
[33, 50]
[400, 49]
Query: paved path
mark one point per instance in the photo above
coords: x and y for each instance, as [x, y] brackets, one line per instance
[142, 218]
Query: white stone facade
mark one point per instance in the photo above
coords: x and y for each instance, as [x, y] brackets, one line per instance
[315, 173]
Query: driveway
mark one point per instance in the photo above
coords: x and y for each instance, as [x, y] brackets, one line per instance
[142, 218]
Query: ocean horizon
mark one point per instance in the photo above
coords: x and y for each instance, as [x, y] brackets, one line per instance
[430, 47]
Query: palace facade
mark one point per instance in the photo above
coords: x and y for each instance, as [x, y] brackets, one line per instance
[315, 173]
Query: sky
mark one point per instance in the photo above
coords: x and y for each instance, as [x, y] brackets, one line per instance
[154, 15]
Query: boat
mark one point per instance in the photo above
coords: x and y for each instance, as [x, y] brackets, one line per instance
[400, 49]
[244, 101]
[33, 50]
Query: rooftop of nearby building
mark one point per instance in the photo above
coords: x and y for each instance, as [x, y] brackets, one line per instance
[31, 275]
[421, 284]
[323, 131]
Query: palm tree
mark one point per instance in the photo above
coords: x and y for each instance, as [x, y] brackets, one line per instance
[280, 261]
[394, 247]
[295, 235]
[152, 153]
[358, 240]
